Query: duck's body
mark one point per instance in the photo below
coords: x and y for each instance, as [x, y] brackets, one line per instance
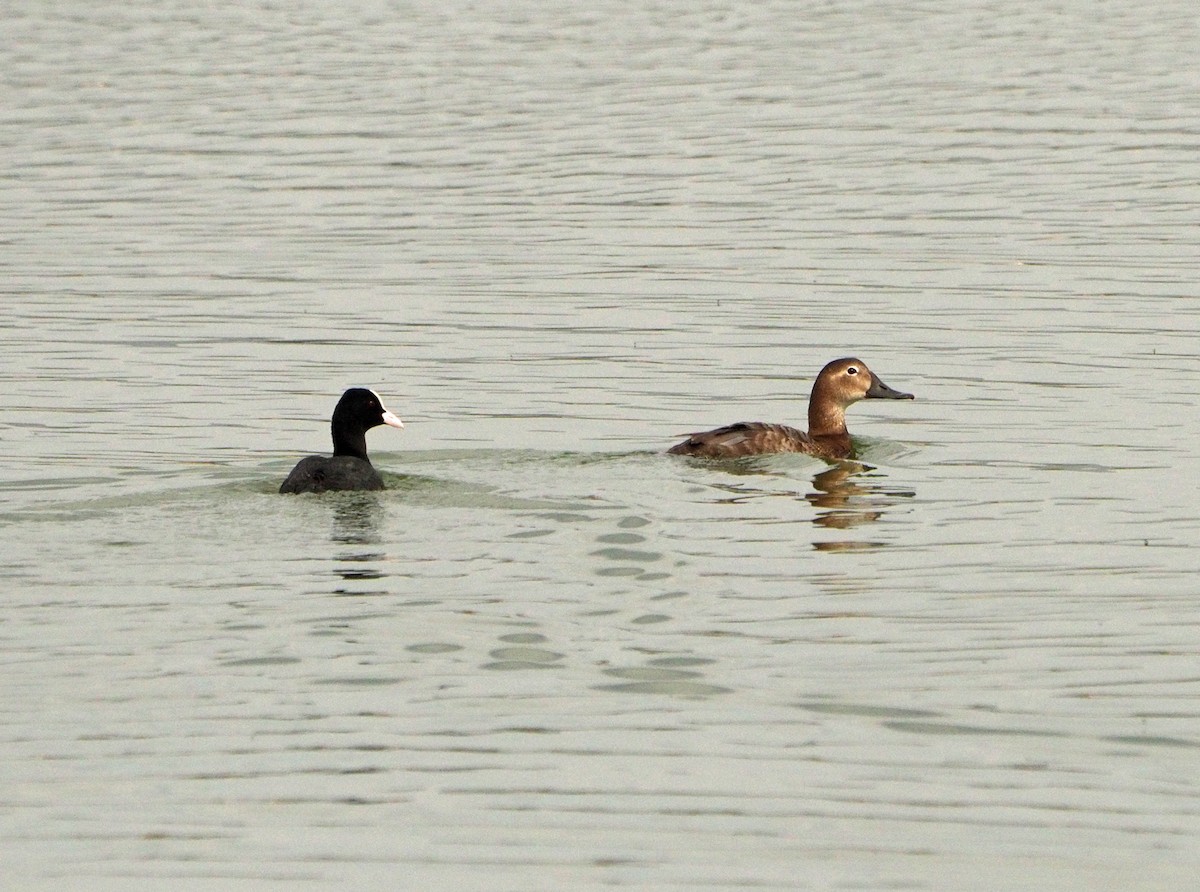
[348, 468]
[840, 384]
[759, 438]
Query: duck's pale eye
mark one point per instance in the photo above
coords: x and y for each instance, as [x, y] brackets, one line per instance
[852, 370]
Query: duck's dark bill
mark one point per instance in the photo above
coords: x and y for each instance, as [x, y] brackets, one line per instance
[880, 391]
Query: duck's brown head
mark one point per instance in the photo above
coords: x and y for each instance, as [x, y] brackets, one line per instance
[841, 384]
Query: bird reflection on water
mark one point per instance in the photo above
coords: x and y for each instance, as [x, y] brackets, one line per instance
[847, 495]
[357, 520]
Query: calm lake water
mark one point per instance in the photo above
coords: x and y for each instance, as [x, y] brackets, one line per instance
[555, 236]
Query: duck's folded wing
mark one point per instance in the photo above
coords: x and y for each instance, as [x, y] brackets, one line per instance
[743, 438]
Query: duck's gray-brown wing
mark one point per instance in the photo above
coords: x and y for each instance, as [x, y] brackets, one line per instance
[743, 438]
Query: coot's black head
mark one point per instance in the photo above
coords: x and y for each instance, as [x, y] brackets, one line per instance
[357, 412]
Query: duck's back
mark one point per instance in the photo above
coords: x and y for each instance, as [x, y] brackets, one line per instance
[747, 438]
[320, 473]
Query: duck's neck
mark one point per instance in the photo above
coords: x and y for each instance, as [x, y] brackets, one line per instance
[350, 444]
[825, 417]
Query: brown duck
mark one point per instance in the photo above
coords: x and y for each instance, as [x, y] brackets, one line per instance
[841, 383]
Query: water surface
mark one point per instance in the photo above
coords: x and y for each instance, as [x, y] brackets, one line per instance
[554, 238]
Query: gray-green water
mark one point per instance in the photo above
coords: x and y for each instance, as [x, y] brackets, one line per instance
[554, 237]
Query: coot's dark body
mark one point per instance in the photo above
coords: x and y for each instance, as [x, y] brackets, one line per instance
[319, 473]
[348, 468]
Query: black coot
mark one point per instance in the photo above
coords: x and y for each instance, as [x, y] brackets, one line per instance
[357, 412]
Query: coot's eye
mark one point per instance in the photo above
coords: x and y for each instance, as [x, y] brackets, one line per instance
[853, 370]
